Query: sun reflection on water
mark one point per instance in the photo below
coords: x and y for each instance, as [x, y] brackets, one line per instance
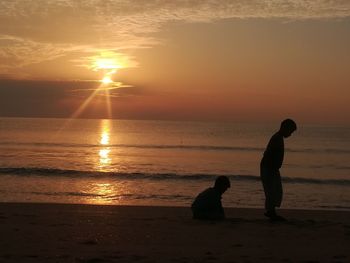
[104, 157]
[104, 138]
[103, 191]
[105, 161]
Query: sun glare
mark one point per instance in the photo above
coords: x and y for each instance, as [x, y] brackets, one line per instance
[106, 63]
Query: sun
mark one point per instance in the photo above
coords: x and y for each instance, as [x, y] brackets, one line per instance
[107, 80]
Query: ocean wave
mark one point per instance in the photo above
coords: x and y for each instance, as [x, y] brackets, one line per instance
[173, 146]
[114, 196]
[23, 171]
[138, 146]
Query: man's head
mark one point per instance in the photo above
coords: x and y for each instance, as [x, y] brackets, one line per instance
[222, 183]
[288, 126]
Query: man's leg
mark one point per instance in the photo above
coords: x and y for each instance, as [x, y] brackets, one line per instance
[278, 190]
[266, 178]
[272, 184]
[277, 195]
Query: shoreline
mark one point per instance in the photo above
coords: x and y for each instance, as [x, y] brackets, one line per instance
[42, 232]
[175, 205]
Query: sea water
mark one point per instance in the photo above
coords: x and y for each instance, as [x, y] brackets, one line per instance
[166, 162]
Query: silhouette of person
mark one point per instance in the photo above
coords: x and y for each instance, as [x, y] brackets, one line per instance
[207, 204]
[269, 169]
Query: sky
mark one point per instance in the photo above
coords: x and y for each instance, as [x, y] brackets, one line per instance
[257, 60]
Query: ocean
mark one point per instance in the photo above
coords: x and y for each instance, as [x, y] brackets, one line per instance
[167, 163]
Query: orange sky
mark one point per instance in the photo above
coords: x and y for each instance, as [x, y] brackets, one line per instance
[193, 60]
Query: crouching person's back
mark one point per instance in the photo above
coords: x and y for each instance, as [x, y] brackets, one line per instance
[207, 204]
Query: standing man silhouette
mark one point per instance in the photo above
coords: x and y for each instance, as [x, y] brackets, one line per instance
[269, 169]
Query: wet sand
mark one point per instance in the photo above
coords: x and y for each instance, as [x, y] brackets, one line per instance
[91, 233]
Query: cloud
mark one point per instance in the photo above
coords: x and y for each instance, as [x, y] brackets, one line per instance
[20, 52]
[33, 31]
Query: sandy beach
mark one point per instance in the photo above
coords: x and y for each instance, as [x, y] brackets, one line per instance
[91, 233]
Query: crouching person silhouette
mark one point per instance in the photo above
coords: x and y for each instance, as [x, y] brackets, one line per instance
[207, 205]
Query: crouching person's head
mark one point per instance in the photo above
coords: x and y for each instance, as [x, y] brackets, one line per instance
[222, 183]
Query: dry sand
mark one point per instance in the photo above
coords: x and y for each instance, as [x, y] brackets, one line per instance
[88, 233]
